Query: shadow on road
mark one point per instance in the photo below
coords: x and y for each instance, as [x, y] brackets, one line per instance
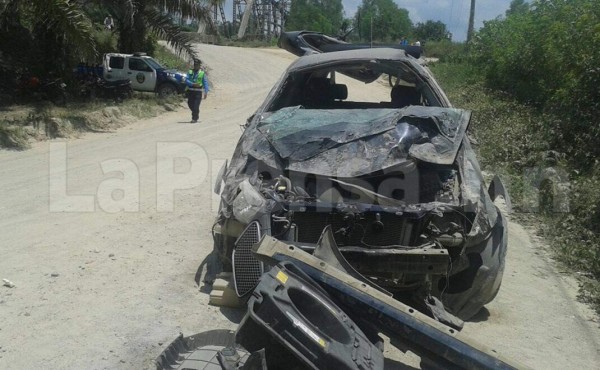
[481, 316]
[207, 271]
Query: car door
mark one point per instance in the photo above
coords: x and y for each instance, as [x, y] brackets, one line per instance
[115, 68]
[142, 76]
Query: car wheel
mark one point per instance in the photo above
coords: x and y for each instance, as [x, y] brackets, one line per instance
[167, 89]
[60, 99]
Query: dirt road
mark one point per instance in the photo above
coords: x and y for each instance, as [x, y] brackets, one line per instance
[102, 288]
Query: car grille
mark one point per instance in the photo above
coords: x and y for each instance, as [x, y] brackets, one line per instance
[396, 229]
[246, 268]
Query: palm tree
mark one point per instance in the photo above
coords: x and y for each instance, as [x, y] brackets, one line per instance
[136, 19]
[58, 33]
[53, 33]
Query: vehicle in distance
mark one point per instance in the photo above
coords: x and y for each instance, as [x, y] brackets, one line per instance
[144, 72]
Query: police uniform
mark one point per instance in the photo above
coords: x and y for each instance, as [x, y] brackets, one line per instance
[194, 94]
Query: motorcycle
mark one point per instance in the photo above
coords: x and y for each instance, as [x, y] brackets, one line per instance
[53, 90]
[96, 87]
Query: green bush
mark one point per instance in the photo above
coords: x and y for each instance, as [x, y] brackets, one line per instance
[446, 51]
[106, 42]
[512, 137]
[548, 56]
[169, 60]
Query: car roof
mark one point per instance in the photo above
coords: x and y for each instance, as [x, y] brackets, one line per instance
[348, 55]
[137, 55]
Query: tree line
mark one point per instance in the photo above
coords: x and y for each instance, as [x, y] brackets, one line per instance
[546, 53]
[377, 20]
[51, 36]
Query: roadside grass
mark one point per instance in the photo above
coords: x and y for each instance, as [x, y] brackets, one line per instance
[510, 143]
[36, 122]
[249, 43]
[13, 137]
[168, 59]
[22, 124]
[445, 50]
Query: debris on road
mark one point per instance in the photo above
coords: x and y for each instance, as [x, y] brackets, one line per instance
[8, 283]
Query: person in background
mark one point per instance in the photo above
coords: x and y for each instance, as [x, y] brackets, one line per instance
[197, 89]
[108, 23]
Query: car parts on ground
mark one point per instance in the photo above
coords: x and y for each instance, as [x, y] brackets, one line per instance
[308, 313]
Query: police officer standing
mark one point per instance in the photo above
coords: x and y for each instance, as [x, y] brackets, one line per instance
[197, 88]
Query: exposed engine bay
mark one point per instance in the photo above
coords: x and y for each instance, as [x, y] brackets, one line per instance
[383, 237]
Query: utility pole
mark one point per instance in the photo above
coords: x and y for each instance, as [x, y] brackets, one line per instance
[371, 32]
[471, 22]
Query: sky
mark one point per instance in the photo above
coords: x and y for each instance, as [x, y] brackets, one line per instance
[454, 13]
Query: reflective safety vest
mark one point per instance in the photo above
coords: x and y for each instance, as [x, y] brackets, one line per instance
[195, 78]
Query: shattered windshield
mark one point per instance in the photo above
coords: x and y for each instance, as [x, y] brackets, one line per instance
[430, 134]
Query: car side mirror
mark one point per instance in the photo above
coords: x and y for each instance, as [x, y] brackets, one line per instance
[249, 120]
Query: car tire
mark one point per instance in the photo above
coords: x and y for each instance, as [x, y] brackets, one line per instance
[167, 89]
[59, 99]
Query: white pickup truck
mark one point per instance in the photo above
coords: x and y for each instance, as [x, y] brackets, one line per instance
[144, 72]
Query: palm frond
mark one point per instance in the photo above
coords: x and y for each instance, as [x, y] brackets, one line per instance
[9, 12]
[68, 17]
[163, 26]
[196, 9]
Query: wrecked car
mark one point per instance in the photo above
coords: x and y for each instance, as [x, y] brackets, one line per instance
[393, 185]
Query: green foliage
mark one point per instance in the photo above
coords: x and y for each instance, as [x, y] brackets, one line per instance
[13, 137]
[431, 31]
[55, 34]
[446, 51]
[384, 18]
[58, 34]
[547, 55]
[512, 137]
[517, 7]
[106, 42]
[169, 60]
[316, 15]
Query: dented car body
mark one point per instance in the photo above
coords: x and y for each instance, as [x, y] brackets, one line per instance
[394, 185]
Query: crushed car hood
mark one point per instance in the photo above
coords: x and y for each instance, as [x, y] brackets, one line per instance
[352, 143]
[365, 139]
